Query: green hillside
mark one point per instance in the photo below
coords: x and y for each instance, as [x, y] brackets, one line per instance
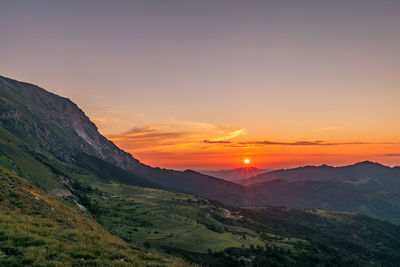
[36, 229]
[207, 232]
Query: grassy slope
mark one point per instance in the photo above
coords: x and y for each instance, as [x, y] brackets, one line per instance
[38, 229]
[189, 226]
[167, 219]
[14, 156]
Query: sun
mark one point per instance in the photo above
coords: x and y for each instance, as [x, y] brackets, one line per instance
[246, 161]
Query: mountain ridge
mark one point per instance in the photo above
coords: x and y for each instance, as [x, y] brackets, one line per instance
[311, 172]
[58, 126]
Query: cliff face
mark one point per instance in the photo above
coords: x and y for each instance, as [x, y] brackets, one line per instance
[55, 124]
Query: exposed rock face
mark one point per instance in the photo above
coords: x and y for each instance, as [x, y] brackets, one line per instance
[59, 192]
[56, 124]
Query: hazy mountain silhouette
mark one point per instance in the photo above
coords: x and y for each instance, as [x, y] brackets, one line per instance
[360, 170]
[365, 187]
[235, 174]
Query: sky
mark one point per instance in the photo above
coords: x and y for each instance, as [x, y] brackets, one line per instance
[206, 84]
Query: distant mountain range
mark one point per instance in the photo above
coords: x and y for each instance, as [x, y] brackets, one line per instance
[366, 187]
[235, 174]
[360, 172]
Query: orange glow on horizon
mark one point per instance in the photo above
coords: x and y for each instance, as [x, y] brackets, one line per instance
[194, 145]
[196, 156]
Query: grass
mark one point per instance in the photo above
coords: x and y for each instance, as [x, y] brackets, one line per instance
[13, 156]
[169, 219]
[36, 229]
[209, 233]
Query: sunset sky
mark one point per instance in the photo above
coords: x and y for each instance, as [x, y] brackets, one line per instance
[206, 84]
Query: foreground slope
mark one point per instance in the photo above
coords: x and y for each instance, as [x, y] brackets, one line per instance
[36, 229]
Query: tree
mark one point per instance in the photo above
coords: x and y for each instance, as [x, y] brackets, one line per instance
[147, 244]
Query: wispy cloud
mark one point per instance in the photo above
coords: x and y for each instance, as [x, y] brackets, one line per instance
[392, 155]
[177, 133]
[227, 134]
